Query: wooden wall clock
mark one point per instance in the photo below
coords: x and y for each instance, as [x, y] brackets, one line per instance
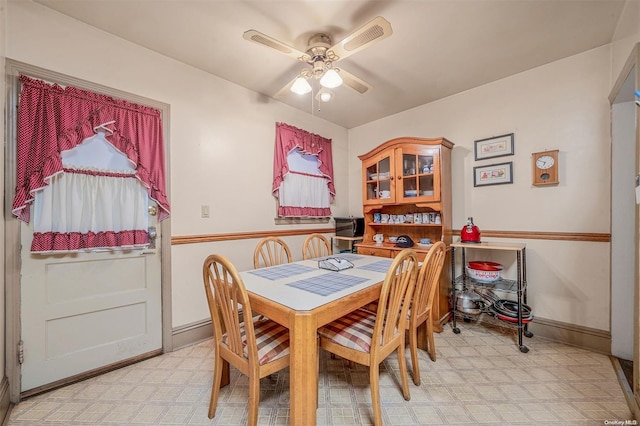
[545, 167]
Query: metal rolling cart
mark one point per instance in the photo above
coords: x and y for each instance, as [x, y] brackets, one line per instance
[519, 286]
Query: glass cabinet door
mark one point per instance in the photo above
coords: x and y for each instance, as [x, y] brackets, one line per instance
[379, 178]
[420, 170]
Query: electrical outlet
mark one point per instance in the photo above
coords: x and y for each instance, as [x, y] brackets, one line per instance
[204, 210]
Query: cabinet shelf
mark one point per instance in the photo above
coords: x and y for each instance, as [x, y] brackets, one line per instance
[418, 175]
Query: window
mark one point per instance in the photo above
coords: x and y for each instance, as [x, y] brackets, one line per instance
[303, 173]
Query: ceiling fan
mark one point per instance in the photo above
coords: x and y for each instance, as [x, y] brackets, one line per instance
[321, 56]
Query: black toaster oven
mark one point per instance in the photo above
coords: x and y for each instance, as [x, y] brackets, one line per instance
[349, 226]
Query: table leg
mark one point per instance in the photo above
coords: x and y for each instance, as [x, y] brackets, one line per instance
[303, 386]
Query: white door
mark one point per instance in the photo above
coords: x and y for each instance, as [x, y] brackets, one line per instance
[84, 311]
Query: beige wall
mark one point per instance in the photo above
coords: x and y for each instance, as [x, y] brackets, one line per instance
[222, 145]
[221, 138]
[562, 106]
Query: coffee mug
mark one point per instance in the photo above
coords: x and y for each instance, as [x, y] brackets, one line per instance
[384, 218]
[378, 238]
[377, 217]
[385, 194]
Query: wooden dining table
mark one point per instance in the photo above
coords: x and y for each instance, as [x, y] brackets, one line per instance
[303, 297]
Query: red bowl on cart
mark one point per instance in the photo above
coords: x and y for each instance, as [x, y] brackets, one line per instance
[483, 271]
[485, 265]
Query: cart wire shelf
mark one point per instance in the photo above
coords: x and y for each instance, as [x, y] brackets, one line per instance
[505, 285]
[489, 316]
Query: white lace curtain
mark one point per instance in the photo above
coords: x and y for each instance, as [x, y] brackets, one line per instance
[95, 203]
[302, 194]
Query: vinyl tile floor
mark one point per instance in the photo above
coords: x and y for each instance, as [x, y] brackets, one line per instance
[480, 377]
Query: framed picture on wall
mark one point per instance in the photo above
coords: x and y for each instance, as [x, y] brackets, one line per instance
[496, 146]
[493, 174]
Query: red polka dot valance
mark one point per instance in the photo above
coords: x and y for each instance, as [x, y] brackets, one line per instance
[52, 119]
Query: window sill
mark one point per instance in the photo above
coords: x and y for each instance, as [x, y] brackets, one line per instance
[300, 220]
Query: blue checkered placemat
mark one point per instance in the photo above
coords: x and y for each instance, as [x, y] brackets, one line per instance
[282, 271]
[327, 284]
[378, 266]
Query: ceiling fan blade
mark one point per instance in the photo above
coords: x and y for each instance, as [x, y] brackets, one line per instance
[265, 40]
[354, 83]
[375, 30]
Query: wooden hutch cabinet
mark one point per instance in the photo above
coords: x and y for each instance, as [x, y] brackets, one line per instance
[406, 190]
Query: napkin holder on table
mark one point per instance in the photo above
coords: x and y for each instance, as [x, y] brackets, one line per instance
[334, 264]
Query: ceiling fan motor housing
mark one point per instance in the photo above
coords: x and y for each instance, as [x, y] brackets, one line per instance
[317, 54]
[319, 40]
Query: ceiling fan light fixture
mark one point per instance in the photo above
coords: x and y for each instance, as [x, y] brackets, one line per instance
[331, 79]
[325, 95]
[301, 86]
[321, 55]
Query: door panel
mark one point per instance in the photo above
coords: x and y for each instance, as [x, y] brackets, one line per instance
[83, 311]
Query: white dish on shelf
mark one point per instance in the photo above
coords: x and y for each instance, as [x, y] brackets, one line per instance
[373, 176]
[485, 276]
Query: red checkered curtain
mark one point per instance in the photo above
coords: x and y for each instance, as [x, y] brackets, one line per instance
[302, 194]
[53, 119]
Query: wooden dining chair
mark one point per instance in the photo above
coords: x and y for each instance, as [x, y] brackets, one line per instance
[314, 246]
[256, 347]
[271, 251]
[368, 338]
[421, 305]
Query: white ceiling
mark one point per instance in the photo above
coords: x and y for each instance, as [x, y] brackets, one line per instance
[438, 47]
